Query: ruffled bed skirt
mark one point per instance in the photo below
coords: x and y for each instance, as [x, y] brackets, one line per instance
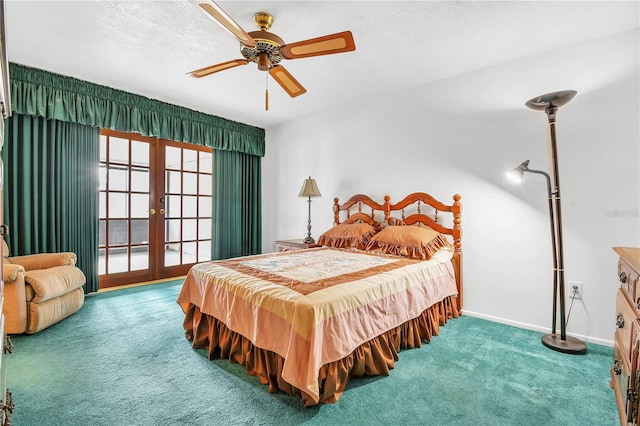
[373, 358]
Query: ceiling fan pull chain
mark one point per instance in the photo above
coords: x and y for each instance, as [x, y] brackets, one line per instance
[266, 93]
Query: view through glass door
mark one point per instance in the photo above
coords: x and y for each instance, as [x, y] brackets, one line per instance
[155, 208]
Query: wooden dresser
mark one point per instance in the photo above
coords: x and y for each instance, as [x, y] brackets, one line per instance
[625, 372]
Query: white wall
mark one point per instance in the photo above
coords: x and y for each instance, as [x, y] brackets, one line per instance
[459, 136]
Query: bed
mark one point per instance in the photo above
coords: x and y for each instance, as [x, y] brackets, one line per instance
[385, 277]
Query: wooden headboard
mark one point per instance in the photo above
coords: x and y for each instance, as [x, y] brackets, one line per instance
[377, 211]
[418, 208]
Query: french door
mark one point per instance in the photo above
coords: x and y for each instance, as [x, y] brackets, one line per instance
[155, 208]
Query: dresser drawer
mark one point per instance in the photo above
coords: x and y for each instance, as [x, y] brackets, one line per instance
[629, 281]
[621, 378]
[621, 366]
[625, 316]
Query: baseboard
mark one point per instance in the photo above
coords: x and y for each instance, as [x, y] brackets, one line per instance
[120, 287]
[532, 327]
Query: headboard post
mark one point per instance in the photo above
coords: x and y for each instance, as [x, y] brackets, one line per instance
[387, 208]
[336, 211]
[456, 209]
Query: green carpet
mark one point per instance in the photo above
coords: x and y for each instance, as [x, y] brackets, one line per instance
[123, 360]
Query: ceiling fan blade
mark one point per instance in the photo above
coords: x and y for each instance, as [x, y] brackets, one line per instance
[325, 45]
[214, 11]
[286, 81]
[203, 72]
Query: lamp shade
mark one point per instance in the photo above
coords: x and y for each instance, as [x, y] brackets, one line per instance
[309, 189]
[517, 174]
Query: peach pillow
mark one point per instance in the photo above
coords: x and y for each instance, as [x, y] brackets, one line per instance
[414, 242]
[348, 235]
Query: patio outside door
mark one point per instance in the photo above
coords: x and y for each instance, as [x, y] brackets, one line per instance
[155, 208]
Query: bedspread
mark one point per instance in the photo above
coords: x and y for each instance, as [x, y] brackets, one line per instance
[316, 306]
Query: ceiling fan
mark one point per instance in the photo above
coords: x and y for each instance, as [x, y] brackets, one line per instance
[268, 50]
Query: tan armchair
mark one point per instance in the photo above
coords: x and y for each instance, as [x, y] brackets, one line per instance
[40, 290]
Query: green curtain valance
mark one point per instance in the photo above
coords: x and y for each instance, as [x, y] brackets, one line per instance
[52, 96]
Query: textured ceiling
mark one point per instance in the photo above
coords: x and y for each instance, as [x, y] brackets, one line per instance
[147, 47]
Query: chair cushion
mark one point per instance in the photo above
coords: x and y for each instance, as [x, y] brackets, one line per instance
[42, 315]
[54, 282]
[43, 260]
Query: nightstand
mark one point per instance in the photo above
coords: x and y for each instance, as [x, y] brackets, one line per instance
[291, 245]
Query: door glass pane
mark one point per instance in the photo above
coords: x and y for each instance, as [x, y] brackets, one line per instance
[172, 205]
[118, 204]
[102, 233]
[139, 153]
[172, 254]
[205, 184]
[206, 162]
[204, 206]
[118, 178]
[118, 150]
[102, 261]
[139, 258]
[118, 260]
[172, 158]
[190, 185]
[189, 207]
[140, 231]
[172, 230]
[189, 229]
[190, 160]
[103, 148]
[172, 184]
[189, 252]
[139, 180]
[102, 177]
[118, 232]
[139, 205]
[204, 229]
[102, 210]
[204, 251]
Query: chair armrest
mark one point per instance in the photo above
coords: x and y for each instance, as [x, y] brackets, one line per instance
[10, 272]
[44, 260]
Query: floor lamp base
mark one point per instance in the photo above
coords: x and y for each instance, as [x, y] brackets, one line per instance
[569, 346]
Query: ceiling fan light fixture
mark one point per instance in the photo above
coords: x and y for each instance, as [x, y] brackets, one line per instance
[266, 42]
[263, 61]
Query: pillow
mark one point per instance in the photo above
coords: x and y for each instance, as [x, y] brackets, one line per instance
[414, 242]
[348, 235]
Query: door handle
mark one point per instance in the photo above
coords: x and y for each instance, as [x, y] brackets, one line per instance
[162, 211]
[152, 211]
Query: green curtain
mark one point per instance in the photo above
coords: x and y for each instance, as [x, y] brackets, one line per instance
[237, 229]
[50, 195]
[44, 94]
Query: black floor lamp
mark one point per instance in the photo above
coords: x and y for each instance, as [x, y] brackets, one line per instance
[549, 103]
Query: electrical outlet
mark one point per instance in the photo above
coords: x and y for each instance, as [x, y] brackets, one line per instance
[575, 290]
